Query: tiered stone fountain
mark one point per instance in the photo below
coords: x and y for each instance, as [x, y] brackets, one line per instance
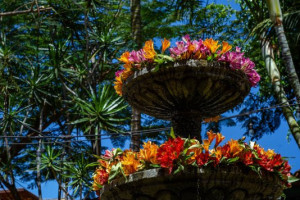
[185, 93]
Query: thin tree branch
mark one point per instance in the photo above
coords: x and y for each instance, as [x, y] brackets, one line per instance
[40, 9]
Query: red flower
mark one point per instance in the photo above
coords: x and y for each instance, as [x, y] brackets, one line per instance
[286, 168]
[247, 158]
[226, 151]
[202, 159]
[168, 152]
[100, 178]
[277, 160]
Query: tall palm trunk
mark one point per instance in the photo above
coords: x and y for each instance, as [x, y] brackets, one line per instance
[267, 53]
[135, 7]
[276, 17]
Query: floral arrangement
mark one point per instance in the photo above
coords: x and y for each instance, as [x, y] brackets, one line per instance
[177, 153]
[208, 49]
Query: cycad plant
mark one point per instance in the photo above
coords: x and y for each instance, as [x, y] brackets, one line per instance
[100, 111]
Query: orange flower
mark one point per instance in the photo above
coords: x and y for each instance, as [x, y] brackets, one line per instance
[212, 119]
[198, 55]
[219, 139]
[206, 145]
[127, 72]
[125, 57]
[191, 49]
[148, 154]
[149, 50]
[218, 155]
[234, 147]
[164, 45]
[130, 163]
[118, 85]
[211, 136]
[225, 47]
[211, 44]
[196, 152]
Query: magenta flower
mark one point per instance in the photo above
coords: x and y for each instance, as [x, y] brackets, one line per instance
[118, 73]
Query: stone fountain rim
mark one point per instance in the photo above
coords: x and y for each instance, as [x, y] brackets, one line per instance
[190, 63]
[190, 171]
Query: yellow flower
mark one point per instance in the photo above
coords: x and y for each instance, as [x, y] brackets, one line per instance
[148, 154]
[164, 45]
[270, 153]
[149, 50]
[125, 57]
[235, 147]
[211, 44]
[225, 47]
[130, 163]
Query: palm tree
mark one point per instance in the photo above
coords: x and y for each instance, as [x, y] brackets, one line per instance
[276, 17]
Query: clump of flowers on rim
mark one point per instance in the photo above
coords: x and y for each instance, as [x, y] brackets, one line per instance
[207, 49]
[178, 153]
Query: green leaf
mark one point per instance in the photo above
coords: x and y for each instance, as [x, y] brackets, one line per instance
[232, 160]
[292, 179]
[155, 165]
[195, 146]
[179, 169]
[115, 171]
[172, 133]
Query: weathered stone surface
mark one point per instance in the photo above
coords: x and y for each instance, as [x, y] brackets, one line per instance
[192, 89]
[228, 183]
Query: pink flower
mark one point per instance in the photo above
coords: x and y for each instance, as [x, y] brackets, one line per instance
[238, 61]
[179, 49]
[187, 39]
[108, 154]
[137, 56]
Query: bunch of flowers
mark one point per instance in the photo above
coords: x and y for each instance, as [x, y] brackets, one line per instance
[207, 49]
[178, 153]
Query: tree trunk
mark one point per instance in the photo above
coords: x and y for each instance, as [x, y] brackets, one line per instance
[39, 152]
[11, 186]
[135, 7]
[276, 17]
[267, 53]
